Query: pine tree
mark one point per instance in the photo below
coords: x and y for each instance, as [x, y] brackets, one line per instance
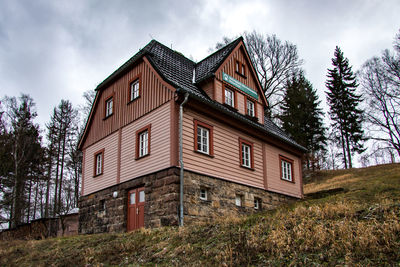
[302, 118]
[344, 111]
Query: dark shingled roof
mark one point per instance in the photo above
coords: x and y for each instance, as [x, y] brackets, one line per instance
[179, 71]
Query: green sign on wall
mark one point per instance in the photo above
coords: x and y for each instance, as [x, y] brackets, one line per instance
[239, 85]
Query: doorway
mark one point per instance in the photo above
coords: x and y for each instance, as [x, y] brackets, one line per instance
[136, 200]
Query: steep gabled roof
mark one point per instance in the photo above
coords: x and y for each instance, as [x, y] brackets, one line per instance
[185, 75]
[208, 66]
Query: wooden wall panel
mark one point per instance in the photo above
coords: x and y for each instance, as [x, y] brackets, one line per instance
[159, 157]
[92, 184]
[274, 181]
[225, 163]
[229, 68]
[154, 93]
[209, 88]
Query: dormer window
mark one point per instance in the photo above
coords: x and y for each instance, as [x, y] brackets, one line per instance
[134, 90]
[240, 68]
[229, 97]
[250, 108]
[109, 107]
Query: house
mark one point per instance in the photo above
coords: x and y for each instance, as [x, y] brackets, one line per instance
[230, 159]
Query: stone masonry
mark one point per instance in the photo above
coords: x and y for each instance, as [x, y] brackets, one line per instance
[102, 212]
[221, 195]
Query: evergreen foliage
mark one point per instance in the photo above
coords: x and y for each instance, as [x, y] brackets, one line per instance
[302, 118]
[345, 114]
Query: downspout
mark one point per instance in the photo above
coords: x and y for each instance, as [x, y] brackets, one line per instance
[181, 159]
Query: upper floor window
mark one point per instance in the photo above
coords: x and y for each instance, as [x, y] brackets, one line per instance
[229, 97]
[134, 90]
[286, 169]
[203, 194]
[240, 68]
[109, 107]
[203, 137]
[250, 107]
[143, 142]
[246, 153]
[98, 162]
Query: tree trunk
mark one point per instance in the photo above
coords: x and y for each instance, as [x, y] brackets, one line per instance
[62, 170]
[343, 147]
[348, 149]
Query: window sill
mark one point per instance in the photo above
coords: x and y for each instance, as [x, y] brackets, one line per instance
[241, 75]
[137, 158]
[97, 175]
[204, 154]
[288, 181]
[230, 107]
[249, 168]
[108, 116]
[133, 100]
[253, 118]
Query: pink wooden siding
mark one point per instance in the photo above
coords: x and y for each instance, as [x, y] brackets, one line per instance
[274, 181]
[92, 184]
[209, 88]
[159, 157]
[225, 163]
[260, 113]
[153, 93]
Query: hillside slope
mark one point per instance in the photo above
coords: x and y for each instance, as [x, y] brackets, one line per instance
[349, 217]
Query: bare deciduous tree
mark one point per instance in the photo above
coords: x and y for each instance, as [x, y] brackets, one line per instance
[380, 82]
[274, 62]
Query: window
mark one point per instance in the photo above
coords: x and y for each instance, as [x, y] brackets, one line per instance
[240, 68]
[109, 107]
[286, 169]
[99, 162]
[257, 203]
[239, 200]
[229, 97]
[141, 196]
[203, 138]
[143, 142]
[203, 193]
[102, 205]
[250, 108]
[134, 90]
[246, 153]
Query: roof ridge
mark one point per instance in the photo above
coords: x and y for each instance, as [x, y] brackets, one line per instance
[222, 48]
[174, 51]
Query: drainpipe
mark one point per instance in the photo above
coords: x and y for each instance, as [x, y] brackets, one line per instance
[181, 159]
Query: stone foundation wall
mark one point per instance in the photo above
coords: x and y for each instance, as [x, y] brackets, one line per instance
[102, 212]
[220, 201]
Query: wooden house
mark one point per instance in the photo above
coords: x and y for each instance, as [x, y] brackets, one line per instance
[230, 159]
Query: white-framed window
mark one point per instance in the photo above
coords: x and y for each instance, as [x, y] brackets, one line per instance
[246, 155]
[109, 107]
[257, 203]
[203, 139]
[98, 166]
[286, 170]
[229, 97]
[203, 194]
[134, 91]
[143, 143]
[239, 200]
[250, 108]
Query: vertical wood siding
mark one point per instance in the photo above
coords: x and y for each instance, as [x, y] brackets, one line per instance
[229, 68]
[92, 184]
[159, 157]
[274, 181]
[225, 163]
[209, 88]
[153, 91]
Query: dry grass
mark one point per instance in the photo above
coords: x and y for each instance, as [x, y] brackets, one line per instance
[357, 227]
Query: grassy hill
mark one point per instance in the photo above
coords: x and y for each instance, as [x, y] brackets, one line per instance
[349, 217]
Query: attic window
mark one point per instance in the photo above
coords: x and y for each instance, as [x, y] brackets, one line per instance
[240, 68]
[109, 107]
[134, 90]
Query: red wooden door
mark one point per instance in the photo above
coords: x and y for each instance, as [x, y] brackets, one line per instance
[136, 200]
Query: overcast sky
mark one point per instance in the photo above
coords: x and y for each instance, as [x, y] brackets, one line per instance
[55, 50]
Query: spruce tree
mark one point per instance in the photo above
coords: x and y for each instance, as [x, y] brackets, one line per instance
[302, 118]
[345, 114]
